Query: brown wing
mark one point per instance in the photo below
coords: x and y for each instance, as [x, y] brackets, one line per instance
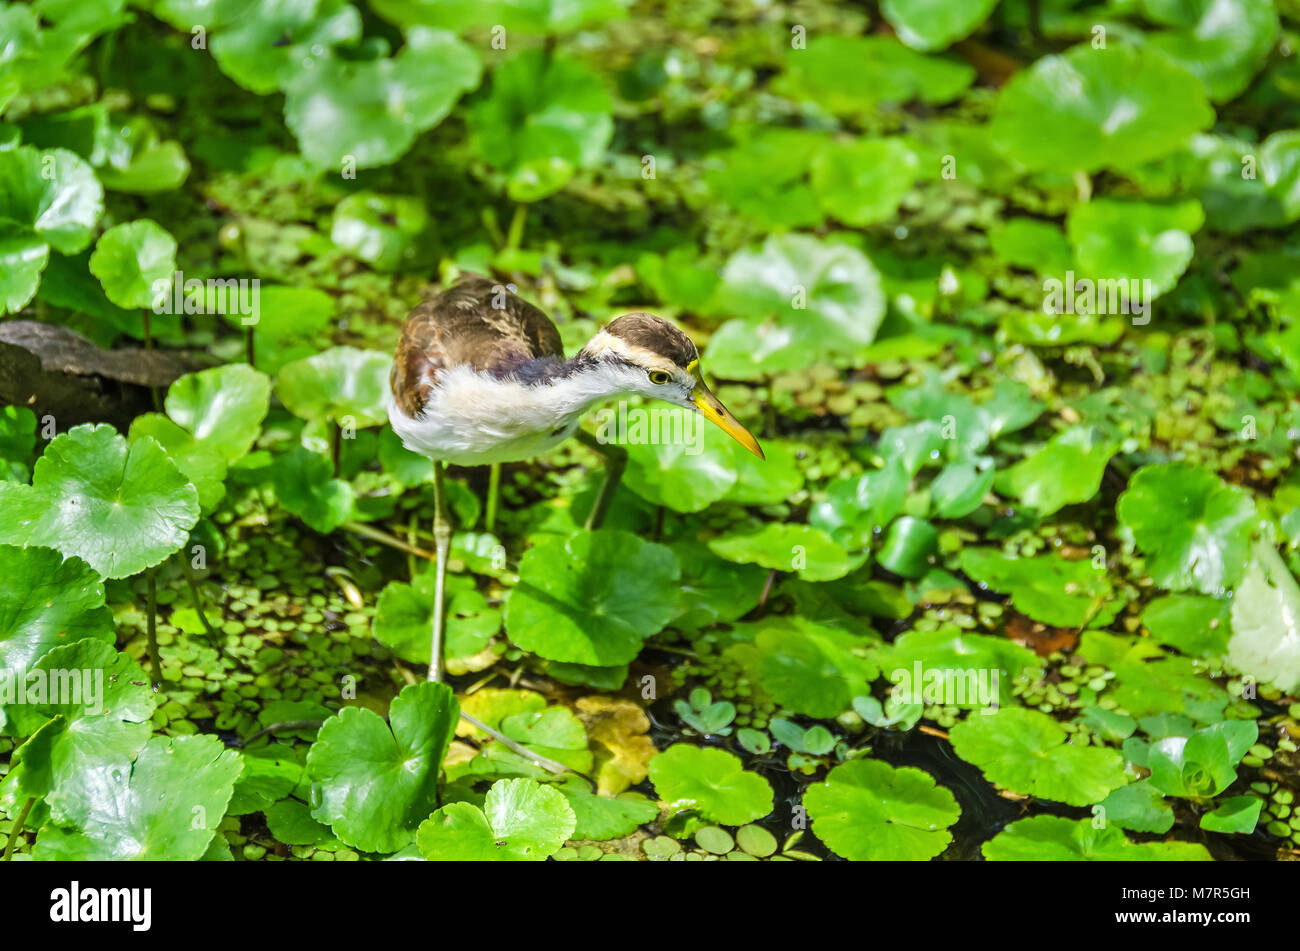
[476, 322]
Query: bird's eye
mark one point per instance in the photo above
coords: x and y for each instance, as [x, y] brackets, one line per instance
[659, 376]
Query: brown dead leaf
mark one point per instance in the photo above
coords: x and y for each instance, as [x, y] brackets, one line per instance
[617, 729]
[1042, 639]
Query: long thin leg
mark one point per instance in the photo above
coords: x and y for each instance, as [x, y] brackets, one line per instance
[442, 542]
[615, 463]
[493, 498]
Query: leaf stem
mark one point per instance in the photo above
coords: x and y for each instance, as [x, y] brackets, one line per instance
[412, 537]
[489, 218]
[550, 765]
[151, 625]
[494, 492]
[106, 48]
[392, 541]
[515, 236]
[1083, 186]
[17, 830]
[213, 635]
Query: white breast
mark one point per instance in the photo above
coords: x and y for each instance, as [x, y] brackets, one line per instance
[473, 418]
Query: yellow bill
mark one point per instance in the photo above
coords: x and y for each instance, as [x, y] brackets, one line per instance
[711, 408]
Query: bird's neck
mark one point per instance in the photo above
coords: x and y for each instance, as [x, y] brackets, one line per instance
[581, 382]
[565, 388]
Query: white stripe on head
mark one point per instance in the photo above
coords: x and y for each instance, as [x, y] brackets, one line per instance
[605, 342]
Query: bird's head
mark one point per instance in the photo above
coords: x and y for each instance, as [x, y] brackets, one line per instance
[651, 357]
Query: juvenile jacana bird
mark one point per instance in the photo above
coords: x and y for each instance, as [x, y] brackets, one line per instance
[480, 377]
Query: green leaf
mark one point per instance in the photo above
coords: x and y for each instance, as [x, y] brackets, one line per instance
[100, 702]
[1239, 814]
[850, 74]
[1203, 764]
[741, 350]
[679, 276]
[1235, 202]
[592, 598]
[862, 182]
[52, 193]
[807, 551]
[17, 433]
[23, 256]
[866, 810]
[599, 818]
[404, 618]
[856, 508]
[815, 741]
[222, 408]
[935, 24]
[389, 232]
[960, 488]
[1066, 471]
[1148, 680]
[270, 774]
[1221, 42]
[1280, 171]
[370, 111]
[809, 668]
[292, 313]
[1026, 752]
[373, 784]
[763, 176]
[1047, 588]
[1089, 109]
[543, 119]
[686, 477]
[47, 602]
[537, 17]
[120, 508]
[153, 167]
[909, 546]
[972, 426]
[1033, 245]
[69, 283]
[1139, 807]
[1266, 621]
[131, 258]
[768, 481]
[950, 648]
[1131, 241]
[1110, 724]
[711, 781]
[197, 462]
[1054, 839]
[829, 295]
[521, 820]
[166, 805]
[714, 590]
[290, 822]
[340, 383]
[305, 485]
[1194, 530]
[264, 52]
[1196, 625]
